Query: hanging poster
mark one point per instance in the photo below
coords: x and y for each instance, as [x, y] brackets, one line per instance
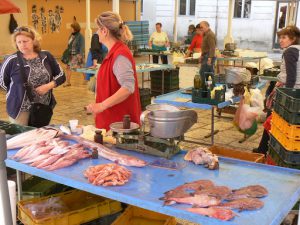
[34, 17]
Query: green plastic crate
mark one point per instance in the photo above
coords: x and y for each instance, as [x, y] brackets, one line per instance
[34, 187]
[171, 80]
[201, 96]
[12, 129]
[279, 161]
[291, 117]
[145, 97]
[289, 98]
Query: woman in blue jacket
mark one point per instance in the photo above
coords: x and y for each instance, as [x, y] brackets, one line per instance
[41, 71]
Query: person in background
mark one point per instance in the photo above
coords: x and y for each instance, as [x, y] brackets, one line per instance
[196, 42]
[191, 34]
[76, 46]
[208, 48]
[289, 76]
[41, 70]
[159, 41]
[117, 91]
[98, 50]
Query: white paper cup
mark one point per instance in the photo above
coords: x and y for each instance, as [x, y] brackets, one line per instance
[73, 125]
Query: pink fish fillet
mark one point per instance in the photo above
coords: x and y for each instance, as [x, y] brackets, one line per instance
[37, 158]
[23, 152]
[50, 160]
[31, 137]
[37, 152]
[62, 164]
[108, 153]
[196, 200]
[218, 213]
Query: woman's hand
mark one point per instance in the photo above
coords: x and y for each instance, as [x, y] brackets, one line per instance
[95, 108]
[43, 89]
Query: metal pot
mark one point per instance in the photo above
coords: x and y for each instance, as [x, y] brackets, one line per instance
[166, 124]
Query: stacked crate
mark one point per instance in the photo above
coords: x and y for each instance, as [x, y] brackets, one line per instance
[171, 81]
[284, 145]
[140, 31]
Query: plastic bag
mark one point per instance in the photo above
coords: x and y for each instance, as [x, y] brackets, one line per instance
[237, 75]
[256, 98]
[245, 116]
[47, 208]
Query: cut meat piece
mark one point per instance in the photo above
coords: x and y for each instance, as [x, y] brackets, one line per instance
[243, 204]
[215, 212]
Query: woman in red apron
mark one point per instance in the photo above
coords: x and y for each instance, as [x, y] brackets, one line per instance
[117, 92]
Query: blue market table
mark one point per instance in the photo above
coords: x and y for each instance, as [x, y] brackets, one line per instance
[148, 184]
[140, 68]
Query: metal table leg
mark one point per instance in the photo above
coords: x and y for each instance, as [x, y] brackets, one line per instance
[163, 82]
[212, 129]
[142, 79]
[19, 184]
[4, 193]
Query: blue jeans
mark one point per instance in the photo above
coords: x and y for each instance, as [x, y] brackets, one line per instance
[205, 68]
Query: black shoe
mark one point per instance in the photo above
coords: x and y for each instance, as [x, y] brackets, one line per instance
[255, 150]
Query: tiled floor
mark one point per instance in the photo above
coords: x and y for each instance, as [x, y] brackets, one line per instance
[71, 101]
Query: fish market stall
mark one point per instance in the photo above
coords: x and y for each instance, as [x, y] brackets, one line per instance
[148, 184]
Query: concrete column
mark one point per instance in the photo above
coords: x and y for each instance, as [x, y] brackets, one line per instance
[5, 209]
[228, 38]
[88, 30]
[116, 6]
[175, 21]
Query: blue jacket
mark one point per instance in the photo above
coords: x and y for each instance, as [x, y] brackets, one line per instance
[11, 80]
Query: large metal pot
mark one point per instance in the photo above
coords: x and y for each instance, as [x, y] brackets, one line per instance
[166, 124]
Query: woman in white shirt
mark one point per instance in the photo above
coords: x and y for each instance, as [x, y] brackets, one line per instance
[159, 41]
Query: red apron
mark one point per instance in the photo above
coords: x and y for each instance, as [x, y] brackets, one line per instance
[107, 85]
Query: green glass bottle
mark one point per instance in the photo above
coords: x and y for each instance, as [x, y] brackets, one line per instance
[197, 81]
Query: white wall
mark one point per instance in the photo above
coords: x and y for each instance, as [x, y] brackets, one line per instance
[5, 37]
[255, 32]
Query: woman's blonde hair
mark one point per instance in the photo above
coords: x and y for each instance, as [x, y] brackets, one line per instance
[28, 32]
[113, 22]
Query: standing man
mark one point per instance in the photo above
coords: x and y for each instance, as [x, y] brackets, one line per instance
[159, 41]
[208, 50]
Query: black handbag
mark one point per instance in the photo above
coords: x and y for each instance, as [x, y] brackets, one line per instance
[66, 56]
[40, 114]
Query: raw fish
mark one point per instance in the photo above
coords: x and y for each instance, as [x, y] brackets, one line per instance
[215, 212]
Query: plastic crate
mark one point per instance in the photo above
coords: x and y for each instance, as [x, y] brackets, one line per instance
[286, 155]
[200, 96]
[273, 157]
[171, 81]
[35, 187]
[237, 154]
[137, 216]
[291, 117]
[273, 72]
[287, 142]
[83, 207]
[292, 131]
[145, 97]
[12, 129]
[106, 220]
[289, 98]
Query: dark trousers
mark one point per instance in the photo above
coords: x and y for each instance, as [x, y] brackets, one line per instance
[264, 141]
[206, 69]
[164, 59]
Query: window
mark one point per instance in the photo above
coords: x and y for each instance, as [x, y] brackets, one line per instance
[242, 8]
[187, 7]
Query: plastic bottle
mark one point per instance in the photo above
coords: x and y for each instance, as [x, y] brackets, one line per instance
[197, 81]
[209, 83]
[126, 122]
[98, 137]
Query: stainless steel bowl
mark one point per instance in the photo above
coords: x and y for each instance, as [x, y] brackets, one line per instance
[166, 124]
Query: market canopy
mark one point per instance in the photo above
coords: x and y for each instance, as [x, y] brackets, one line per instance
[6, 7]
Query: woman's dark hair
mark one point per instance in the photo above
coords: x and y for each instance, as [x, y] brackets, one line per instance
[76, 26]
[198, 26]
[192, 27]
[292, 32]
[158, 24]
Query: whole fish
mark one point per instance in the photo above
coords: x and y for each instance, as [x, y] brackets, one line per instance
[196, 200]
[108, 153]
[50, 160]
[243, 204]
[31, 137]
[252, 191]
[215, 212]
[216, 191]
